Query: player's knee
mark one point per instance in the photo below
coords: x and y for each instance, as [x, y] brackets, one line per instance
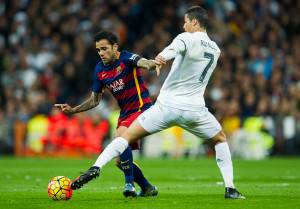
[219, 138]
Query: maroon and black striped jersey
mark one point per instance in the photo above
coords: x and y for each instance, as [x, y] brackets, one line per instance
[123, 79]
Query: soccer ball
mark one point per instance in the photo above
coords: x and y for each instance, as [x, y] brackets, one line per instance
[59, 188]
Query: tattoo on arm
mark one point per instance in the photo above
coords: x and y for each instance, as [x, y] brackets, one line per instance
[147, 64]
[90, 103]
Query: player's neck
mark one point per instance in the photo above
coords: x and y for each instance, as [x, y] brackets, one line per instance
[115, 58]
[118, 55]
[199, 29]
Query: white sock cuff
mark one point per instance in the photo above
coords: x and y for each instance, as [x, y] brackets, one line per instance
[223, 151]
[221, 144]
[122, 142]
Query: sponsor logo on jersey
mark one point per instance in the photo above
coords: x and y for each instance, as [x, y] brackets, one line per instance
[116, 85]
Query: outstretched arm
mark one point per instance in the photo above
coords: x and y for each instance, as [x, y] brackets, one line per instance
[149, 65]
[90, 103]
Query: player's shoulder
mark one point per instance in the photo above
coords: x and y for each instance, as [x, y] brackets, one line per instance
[214, 46]
[213, 42]
[128, 56]
[125, 54]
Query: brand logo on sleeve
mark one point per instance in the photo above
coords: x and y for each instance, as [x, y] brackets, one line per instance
[133, 57]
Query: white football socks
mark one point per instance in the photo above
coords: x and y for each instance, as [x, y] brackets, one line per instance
[114, 149]
[223, 158]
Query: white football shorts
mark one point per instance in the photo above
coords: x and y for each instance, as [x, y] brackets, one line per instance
[200, 123]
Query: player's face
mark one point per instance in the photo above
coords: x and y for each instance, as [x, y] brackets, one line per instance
[188, 25]
[106, 51]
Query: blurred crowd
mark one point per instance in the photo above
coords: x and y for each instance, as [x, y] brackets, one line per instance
[47, 56]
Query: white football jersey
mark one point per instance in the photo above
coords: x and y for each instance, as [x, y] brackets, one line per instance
[196, 57]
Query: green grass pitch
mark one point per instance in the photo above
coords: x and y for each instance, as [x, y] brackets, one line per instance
[183, 184]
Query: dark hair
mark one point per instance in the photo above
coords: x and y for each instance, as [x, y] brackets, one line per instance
[198, 13]
[109, 36]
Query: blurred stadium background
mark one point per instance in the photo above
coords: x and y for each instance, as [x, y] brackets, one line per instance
[47, 56]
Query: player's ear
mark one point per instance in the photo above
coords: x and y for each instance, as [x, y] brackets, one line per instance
[115, 47]
[194, 22]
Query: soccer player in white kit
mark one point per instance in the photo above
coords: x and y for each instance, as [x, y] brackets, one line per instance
[181, 100]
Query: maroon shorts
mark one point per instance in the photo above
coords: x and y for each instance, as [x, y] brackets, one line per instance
[127, 122]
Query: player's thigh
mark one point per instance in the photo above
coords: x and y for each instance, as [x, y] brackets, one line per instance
[134, 145]
[157, 118]
[134, 132]
[120, 130]
[202, 124]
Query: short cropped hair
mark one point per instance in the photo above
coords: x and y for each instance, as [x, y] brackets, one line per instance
[198, 13]
[109, 36]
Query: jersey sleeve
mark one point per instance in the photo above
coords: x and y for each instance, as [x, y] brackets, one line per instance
[97, 84]
[178, 45]
[131, 59]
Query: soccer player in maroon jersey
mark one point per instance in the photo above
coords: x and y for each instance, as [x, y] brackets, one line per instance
[120, 73]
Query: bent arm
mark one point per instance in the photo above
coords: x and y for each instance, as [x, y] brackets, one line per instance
[150, 65]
